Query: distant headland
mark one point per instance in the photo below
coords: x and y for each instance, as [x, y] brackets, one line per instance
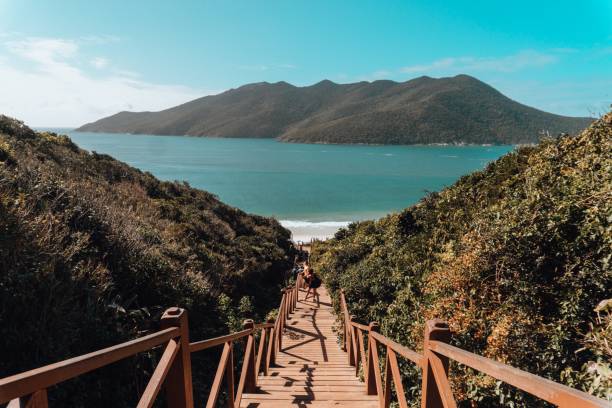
[424, 110]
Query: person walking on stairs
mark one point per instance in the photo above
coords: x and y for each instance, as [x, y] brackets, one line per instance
[314, 281]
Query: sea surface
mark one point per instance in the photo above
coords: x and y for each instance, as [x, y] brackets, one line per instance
[312, 189]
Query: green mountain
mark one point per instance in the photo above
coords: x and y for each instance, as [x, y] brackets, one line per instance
[515, 258]
[424, 110]
[92, 251]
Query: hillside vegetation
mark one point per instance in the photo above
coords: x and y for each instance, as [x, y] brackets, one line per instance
[92, 251]
[424, 110]
[515, 257]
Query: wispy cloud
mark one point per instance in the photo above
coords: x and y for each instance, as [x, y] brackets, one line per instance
[576, 97]
[258, 67]
[43, 50]
[606, 51]
[510, 63]
[266, 67]
[376, 75]
[565, 50]
[99, 62]
[44, 82]
[100, 39]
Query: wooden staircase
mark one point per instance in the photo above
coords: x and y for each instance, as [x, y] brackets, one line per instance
[294, 360]
[311, 369]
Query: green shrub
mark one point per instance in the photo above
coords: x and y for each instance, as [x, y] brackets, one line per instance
[514, 257]
[92, 251]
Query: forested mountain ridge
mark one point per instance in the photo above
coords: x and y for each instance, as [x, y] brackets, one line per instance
[92, 251]
[516, 258]
[424, 110]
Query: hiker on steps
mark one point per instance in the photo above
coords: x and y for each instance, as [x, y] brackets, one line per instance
[313, 283]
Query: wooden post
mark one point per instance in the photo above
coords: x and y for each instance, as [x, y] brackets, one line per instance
[370, 376]
[261, 351]
[270, 348]
[344, 314]
[289, 292]
[281, 321]
[37, 399]
[285, 306]
[438, 330]
[352, 354]
[388, 379]
[250, 380]
[178, 384]
[358, 335]
[345, 343]
[229, 377]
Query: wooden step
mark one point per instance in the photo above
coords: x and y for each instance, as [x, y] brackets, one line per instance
[311, 396]
[336, 387]
[318, 381]
[311, 370]
[307, 404]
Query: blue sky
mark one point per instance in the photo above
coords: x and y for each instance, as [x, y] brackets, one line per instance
[63, 63]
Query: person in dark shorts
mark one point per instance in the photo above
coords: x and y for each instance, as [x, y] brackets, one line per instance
[314, 282]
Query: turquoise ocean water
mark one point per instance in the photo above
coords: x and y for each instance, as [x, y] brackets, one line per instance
[300, 184]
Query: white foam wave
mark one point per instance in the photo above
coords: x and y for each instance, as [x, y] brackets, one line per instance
[313, 224]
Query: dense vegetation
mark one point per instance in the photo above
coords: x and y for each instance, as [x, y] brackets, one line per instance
[424, 110]
[515, 258]
[92, 251]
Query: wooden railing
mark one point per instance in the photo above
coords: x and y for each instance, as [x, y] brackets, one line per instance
[436, 392]
[173, 372]
[362, 343]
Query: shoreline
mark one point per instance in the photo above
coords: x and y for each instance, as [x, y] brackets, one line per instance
[307, 230]
[280, 140]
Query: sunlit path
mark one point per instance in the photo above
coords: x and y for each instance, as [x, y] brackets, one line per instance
[312, 370]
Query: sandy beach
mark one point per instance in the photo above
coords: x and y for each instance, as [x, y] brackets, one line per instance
[307, 230]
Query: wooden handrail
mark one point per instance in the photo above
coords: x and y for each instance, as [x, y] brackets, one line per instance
[542, 388]
[267, 325]
[399, 349]
[159, 375]
[173, 371]
[174, 368]
[247, 379]
[225, 367]
[40, 378]
[260, 351]
[359, 326]
[434, 362]
[256, 357]
[217, 341]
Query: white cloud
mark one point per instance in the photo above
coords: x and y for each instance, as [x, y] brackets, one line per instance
[606, 50]
[258, 67]
[565, 50]
[374, 76]
[43, 50]
[510, 63]
[381, 74]
[263, 67]
[434, 66]
[99, 62]
[572, 97]
[54, 90]
[100, 39]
